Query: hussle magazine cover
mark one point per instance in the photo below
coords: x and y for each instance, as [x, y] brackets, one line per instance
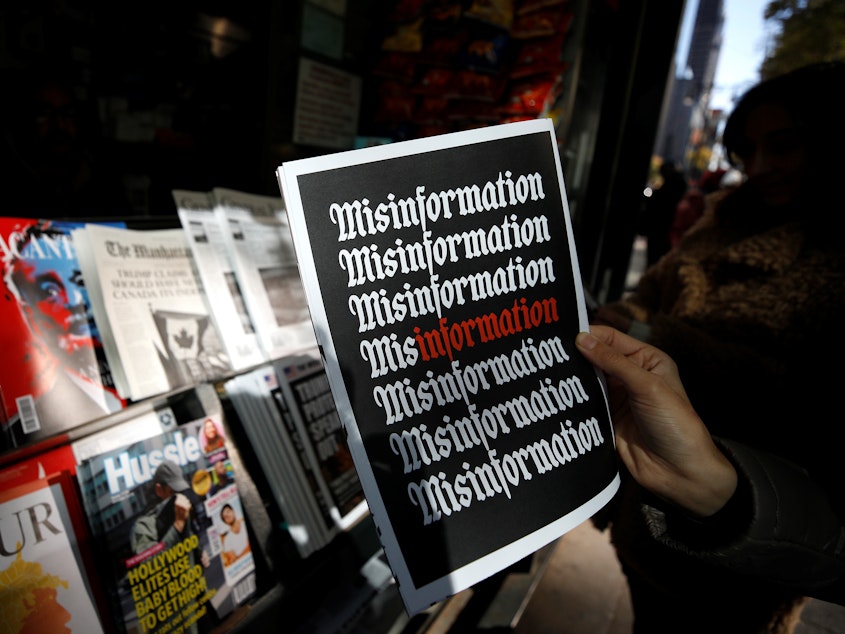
[443, 283]
[55, 375]
[171, 529]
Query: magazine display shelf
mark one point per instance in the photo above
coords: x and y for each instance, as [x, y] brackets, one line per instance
[294, 591]
[291, 589]
[328, 584]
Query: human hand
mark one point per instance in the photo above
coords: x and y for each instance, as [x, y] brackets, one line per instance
[660, 438]
[181, 511]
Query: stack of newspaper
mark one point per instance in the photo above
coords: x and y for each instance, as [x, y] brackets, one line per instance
[244, 255]
[291, 421]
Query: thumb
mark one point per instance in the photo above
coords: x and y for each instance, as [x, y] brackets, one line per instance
[606, 358]
[632, 362]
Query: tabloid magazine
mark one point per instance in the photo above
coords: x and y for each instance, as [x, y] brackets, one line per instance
[312, 417]
[170, 526]
[54, 375]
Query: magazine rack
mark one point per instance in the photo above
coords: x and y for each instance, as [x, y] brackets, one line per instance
[331, 583]
[343, 584]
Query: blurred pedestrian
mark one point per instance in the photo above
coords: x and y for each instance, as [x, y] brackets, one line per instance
[691, 206]
[659, 211]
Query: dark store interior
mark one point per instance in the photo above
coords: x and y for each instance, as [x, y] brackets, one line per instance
[203, 94]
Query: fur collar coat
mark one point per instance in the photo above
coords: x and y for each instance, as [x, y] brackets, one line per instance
[754, 321]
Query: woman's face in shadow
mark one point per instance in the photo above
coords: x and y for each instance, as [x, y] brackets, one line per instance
[773, 154]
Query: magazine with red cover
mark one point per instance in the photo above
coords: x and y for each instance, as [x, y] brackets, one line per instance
[42, 464]
[54, 374]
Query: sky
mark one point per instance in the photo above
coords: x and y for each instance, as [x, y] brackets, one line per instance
[743, 41]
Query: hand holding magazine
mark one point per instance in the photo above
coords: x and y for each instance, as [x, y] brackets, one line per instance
[442, 279]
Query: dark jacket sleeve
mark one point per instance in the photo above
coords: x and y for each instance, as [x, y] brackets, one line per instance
[779, 525]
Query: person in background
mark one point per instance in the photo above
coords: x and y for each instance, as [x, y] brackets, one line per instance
[745, 305]
[659, 211]
[716, 500]
[169, 521]
[691, 206]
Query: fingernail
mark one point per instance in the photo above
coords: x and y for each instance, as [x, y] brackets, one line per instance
[585, 340]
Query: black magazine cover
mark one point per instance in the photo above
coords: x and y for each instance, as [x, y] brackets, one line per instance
[443, 282]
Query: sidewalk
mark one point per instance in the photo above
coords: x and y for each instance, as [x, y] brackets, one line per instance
[583, 591]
